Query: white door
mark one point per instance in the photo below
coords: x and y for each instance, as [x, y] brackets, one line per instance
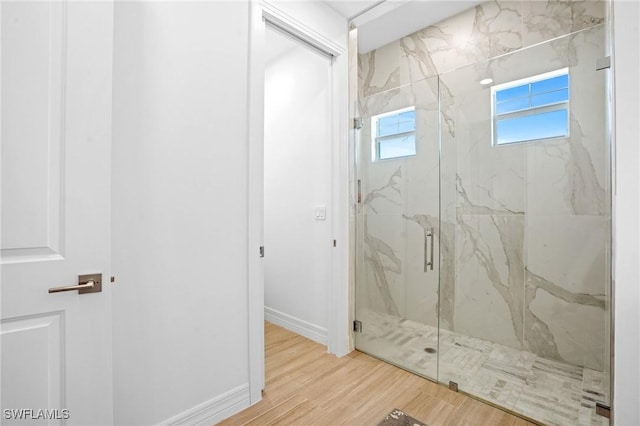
[56, 124]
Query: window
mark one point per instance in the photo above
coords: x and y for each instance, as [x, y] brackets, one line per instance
[531, 109]
[394, 134]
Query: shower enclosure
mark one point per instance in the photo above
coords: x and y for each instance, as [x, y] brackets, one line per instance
[484, 215]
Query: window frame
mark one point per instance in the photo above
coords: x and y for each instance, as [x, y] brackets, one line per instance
[376, 140]
[530, 111]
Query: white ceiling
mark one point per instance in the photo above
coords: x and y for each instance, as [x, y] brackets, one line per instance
[381, 22]
[351, 8]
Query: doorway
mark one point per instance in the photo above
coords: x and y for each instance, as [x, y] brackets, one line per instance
[298, 201]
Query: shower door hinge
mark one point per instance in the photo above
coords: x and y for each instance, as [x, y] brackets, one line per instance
[261, 251]
[603, 63]
[359, 190]
[603, 410]
[358, 122]
[357, 326]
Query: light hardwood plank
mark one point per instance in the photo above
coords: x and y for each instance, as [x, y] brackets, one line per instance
[278, 412]
[430, 409]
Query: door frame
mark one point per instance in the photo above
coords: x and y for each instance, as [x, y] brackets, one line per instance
[338, 289]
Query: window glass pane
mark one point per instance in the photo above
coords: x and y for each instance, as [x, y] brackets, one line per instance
[395, 134]
[386, 130]
[406, 126]
[388, 120]
[551, 124]
[387, 125]
[397, 147]
[397, 123]
[512, 105]
[550, 84]
[407, 115]
[550, 98]
[512, 92]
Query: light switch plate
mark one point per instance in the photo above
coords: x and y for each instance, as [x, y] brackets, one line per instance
[320, 212]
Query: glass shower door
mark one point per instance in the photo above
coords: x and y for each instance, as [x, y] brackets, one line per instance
[397, 261]
[526, 192]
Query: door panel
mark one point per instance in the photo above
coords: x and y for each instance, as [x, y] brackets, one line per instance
[531, 219]
[42, 335]
[56, 109]
[398, 228]
[32, 120]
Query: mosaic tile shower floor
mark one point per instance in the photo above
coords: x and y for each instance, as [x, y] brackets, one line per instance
[548, 391]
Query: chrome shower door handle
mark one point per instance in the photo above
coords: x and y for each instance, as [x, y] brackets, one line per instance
[431, 255]
[428, 250]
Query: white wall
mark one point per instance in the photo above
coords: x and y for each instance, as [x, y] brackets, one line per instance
[180, 211]
[318, 17]
[297, 179]
[626, 68]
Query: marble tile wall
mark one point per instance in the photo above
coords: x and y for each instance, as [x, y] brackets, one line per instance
[478, 34]
[523, 229]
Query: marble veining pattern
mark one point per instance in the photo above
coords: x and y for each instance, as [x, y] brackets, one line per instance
[380, 256]
[544, 20]
[587, 195]
[376, 250]
[529, 329]
[494, 237]
[549, 391]
[486, 31]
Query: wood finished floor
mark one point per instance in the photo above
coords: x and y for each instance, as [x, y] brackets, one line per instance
[307, 386]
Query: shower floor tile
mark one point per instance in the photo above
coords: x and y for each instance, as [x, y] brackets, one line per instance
[552, 392]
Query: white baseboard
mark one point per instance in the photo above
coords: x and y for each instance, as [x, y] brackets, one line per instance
[214, 410]
[301, 327]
